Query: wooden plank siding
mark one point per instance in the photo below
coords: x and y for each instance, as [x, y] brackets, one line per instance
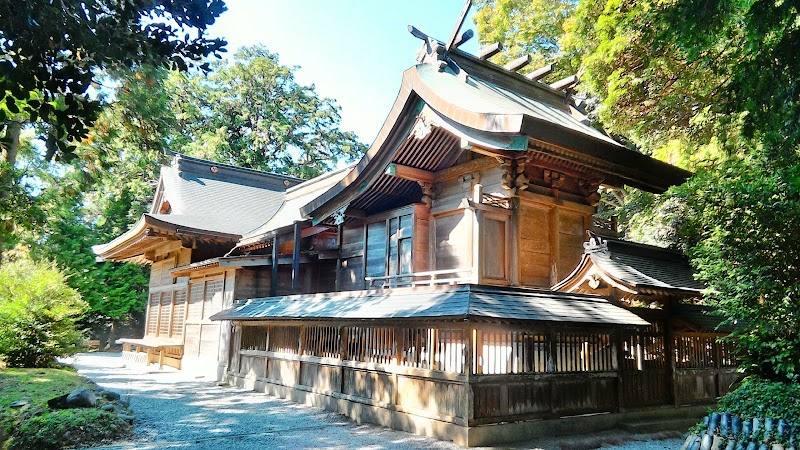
[479, 373]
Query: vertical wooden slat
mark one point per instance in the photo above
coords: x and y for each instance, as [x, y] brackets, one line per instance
[296, 260]
[273, 280]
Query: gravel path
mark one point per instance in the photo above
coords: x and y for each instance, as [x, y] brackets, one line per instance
[176, 410]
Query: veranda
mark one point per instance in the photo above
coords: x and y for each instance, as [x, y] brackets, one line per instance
[477, 380]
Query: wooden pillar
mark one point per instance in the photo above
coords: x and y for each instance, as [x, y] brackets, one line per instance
[618, 337]
[338, 285]
[469, 350]
[555, 251]
[296, 260]
[344, 334]
[273, 281]
[514, 241]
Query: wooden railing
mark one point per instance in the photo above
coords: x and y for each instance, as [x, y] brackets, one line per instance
[429, 278]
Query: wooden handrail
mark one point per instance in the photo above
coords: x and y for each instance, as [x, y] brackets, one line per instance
[430, 278]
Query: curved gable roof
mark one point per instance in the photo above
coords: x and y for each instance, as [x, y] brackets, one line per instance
[479, 98]
[637, 268]
[205, 199]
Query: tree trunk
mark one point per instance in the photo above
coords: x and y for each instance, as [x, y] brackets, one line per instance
[111, 336]
[9, 147]
[10, 143]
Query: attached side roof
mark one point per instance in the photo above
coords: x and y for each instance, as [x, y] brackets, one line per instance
[634, 268]
[482, 103]
[289, 211]
[201, 199]
[464, 301]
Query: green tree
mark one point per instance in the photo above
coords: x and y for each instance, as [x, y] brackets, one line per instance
[716, 94]
[533, 27]
[54, 51]
[741, 225]
[252, 113]
[38, 314]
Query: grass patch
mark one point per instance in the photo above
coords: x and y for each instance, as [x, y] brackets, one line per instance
[35, 425]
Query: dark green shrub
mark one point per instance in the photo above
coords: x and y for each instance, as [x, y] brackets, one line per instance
[69, 427]
[757, 397]
[38, 313]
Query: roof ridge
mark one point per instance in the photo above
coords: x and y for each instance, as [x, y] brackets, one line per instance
[179, 161]
[618, 242]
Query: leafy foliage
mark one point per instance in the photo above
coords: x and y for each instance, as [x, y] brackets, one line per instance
[54, 50]
[742, 228]
[38, 314]
[717, 94]
[254, 114]
[69, 427]
[36, 426]
[757, 397]
[524, 27]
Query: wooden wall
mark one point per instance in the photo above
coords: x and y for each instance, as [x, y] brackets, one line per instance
[550, 238]
[475, 374]
[166, 297]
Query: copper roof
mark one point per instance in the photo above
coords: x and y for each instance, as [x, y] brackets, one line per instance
[462, 301]
[477, 103]
[637, 268]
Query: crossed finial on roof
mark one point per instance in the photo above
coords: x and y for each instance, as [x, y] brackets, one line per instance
[435, 52]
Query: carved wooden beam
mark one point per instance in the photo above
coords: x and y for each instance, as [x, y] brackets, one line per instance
[475, 165]
[409, 173]
[490, 50]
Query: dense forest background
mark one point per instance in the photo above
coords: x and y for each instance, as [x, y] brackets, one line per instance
[710, 86]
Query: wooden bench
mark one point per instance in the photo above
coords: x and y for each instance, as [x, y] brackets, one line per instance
[165, 352]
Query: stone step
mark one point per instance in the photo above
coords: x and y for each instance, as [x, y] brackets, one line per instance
[681, 424]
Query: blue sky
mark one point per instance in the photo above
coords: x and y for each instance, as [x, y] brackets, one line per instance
[352, 51]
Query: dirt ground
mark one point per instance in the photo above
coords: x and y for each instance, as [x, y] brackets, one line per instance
[176, 410]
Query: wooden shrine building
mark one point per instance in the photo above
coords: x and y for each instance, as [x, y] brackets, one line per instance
[200, 210]
[414, 289]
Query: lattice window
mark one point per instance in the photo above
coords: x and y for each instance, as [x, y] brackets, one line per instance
[178, 312]
[371, 344]
[701, 351]
[727, 354]
[531, 351]
[254, 338]
[284, 339]
[152, 314]
[433, 348]
[213, 298]
[195, 308]
[165, 315]
[322, 341]
[583, 352]
[498, 352]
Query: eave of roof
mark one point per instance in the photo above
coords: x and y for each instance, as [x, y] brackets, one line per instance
[420, 87]
[451, 302]
[116, 249]
[610, 264]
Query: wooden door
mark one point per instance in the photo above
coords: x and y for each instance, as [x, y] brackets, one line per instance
[644, 368]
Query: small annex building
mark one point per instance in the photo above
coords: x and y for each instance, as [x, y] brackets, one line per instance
[200, 210]
[443, 284]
